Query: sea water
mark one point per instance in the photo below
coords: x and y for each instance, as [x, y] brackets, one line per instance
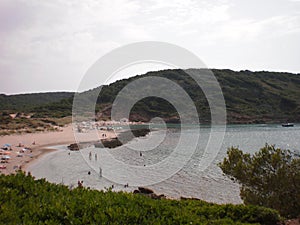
[189, 180]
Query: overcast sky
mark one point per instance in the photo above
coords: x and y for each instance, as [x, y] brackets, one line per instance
[49, 45]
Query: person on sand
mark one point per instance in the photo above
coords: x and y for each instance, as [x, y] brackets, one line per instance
[90, 155]
[96, 156]
[33, 143]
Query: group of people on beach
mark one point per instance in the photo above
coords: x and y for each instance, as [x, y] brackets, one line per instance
[7, 151]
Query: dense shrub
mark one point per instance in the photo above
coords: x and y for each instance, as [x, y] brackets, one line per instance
[28, 201]
[271, 178]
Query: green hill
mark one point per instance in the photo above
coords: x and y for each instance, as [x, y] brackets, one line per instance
[25, 102]
[250, 97]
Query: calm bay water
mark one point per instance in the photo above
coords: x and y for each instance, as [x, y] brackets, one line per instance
[210, 184]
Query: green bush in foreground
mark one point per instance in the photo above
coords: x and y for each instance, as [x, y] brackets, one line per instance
[270, 178]
[27, 201]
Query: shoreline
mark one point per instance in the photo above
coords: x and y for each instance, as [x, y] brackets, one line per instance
[42, 151]
[43, 143]
[36, 145]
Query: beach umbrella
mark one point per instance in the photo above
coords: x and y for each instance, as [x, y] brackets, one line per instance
[6, 153]
[6, 157]
[7, 145]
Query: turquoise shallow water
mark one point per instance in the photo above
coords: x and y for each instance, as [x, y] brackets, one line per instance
[188, 180]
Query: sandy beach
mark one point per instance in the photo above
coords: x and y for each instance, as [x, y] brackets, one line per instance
[37, 144]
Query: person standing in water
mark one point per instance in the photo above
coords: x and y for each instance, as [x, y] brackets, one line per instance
[100, 172]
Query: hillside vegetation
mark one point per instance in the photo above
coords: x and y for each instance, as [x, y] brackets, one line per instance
[24, 200]
[26, 102]
[250, 97]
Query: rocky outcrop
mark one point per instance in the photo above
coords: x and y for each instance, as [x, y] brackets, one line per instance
[144, 190]
[110, 143]
[124, 136]
[74, 147]
[149, 193]
[187, 198]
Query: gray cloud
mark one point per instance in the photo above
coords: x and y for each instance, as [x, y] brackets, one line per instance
[48, 45]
